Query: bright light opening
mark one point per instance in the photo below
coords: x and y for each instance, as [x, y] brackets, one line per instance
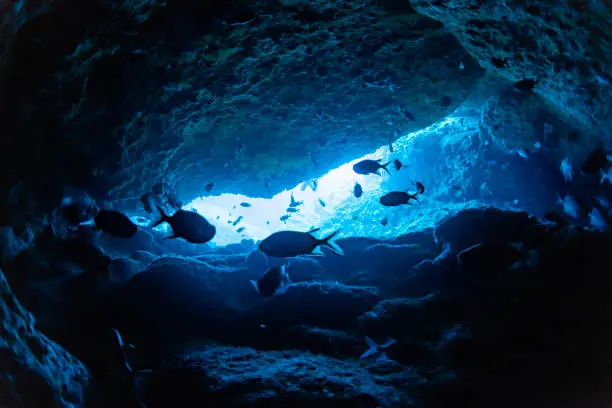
[335, 190]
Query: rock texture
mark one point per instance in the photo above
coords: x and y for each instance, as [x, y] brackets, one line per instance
[117, 96]
[520, 332]
[567, 45]
[35, 371]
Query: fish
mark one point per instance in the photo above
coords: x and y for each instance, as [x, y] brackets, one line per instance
[237, 220]
[77, 213]
[570, 206]
[420, 187]
[603, 201]
[526, 85]
[208, 188]
[267, 222]
[567, 170]
[397, 164]
[446, 101]
[370, 167]
[189, 225]
[396, 198]
[596, 161]
[491, 257]
[239, 230]
[218, 216]
[148, 200]
[274, 282]
[293, 210]
[160, 188]
[115, 223]
[376, 349]
[597, 220]
[285, 217]
[408, 115]
[357, 190]
[245, 205]
[287, 244]
[499, 63]
[84, 254]
[384, 221]
[294, 203]
[390, 147]
[522, 153]
[174, 201]
[322, 203]
[606, 176]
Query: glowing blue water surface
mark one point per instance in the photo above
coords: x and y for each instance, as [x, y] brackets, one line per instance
[342, 210]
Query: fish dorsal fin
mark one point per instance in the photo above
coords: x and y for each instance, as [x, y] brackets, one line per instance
[313, 230]
[371, 343]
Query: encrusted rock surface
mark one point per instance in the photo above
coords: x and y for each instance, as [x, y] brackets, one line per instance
[567, 45]
[35, 371]
[118, 96]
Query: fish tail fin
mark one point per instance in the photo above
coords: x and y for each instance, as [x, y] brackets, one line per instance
[254, 284]
[163, 217]
[384, 167]
[331, 245]
[414, 197]
[372, 348]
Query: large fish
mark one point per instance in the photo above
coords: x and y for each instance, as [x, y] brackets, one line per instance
[286, 244]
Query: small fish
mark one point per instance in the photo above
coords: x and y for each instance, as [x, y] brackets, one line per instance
[218, 216]
[489, 256]
[322, 203]
[287, 244]
[274, 282]
[237, 221]
[115, 223]
[526, 85]
[596, 161]
[267, 222]
[461, 66]
[148, 200]
[397, 164]
[523, 153]
[189, 225]
[239, 230]
[370, 167]
[606, 176]
[245, 205]
[293, 210]
[384, 221]
[285, 217]
[77, 213]
[420, 187]
[208, 188]
[396, 198]
[294, 203]
[570, 206]
[446, 102]
[499, 63]
[357, 190]
[376, 349]
[603, 201]
[160, 188]
[229, 221]
[390, 147]
[567, 170]
[409, 115]
[597, 220]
